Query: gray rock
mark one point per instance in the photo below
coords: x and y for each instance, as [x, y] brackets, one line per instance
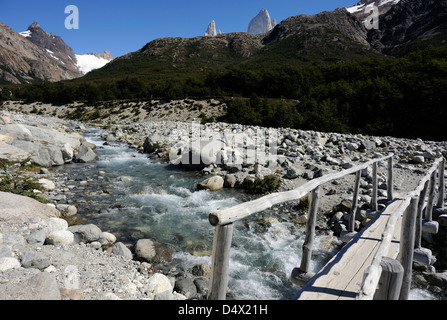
[15, 241]
[4, 251]
[56, 224]
[59, 238]
[67, 210]
[201, 270]
[86, 233]
[165, 296]
[44, 287]
[418, 159]
[158, 283]
[42, 155]
[120, 249]
[37, 237]
[152, 251]
[368, 144]
[202, 285]
[47, 185]
[34, 259]
[17, 209]
[214, 183]
[439, 279]
[85, 154]
[67, 153]
[186, 287]
[7, 263]
[293, 172]
[230, 181]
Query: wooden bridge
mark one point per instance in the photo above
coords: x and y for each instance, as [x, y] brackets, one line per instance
[375, 263]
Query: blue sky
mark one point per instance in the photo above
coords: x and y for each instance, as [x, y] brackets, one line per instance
[126, 26]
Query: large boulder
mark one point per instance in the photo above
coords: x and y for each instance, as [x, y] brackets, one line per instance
[158, 283]
[120, 249]
[152, 251]
[34, 259]
[12, 153]
[40, 134]
[214, 183]
[60, 238]
[86, 233]
[18, 209]
[186, 287]
[85, 154]
[46, 146]
[42, 154]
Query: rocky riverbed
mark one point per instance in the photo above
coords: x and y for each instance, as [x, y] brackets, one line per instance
[100, 268]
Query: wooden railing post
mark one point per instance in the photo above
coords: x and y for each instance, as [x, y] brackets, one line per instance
[421, 204]
[441, 187]
[390, 181]
[220, 260]
[300, 276]
[310, 232]
[431, 197]
[406, 251]
[374, 191]
[390, 282]
[355, 202]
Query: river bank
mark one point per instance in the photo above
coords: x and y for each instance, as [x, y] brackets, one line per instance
[301, 156]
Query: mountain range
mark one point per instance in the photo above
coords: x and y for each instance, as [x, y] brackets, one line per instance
[36, 55]
[328, 37]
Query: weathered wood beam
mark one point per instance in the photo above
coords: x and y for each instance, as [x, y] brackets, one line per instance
[310, 231]
[390, 282]
[407, 246]
[220, 261]
[228, 215]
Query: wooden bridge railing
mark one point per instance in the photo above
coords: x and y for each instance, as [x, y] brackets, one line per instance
[223, 220]
[396, 278]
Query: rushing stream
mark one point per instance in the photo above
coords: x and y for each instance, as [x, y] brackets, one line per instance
[135, 197]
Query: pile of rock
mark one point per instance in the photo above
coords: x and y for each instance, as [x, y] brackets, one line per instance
[47, 143]
[44, 258]
[294, 155]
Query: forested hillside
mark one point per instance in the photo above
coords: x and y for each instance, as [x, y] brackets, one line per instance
[403, 97]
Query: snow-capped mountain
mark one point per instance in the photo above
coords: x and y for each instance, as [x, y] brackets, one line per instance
[35, 54]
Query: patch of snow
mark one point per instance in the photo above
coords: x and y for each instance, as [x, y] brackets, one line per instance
[361, 7]
[49, 51]
[89, 62]
[25, 34]
[393, 2]
[356, 8]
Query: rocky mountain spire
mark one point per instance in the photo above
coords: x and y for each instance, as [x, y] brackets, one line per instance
[54, 47]
[211, 31]
[261, 23]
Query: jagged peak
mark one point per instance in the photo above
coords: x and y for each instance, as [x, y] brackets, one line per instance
[34, 25]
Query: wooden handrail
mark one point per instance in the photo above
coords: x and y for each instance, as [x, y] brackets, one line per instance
[229, 215]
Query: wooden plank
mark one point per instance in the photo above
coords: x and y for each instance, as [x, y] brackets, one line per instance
[341, 277]
[356, 284]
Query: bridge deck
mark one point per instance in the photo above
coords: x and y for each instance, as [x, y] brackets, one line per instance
[341, 277]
